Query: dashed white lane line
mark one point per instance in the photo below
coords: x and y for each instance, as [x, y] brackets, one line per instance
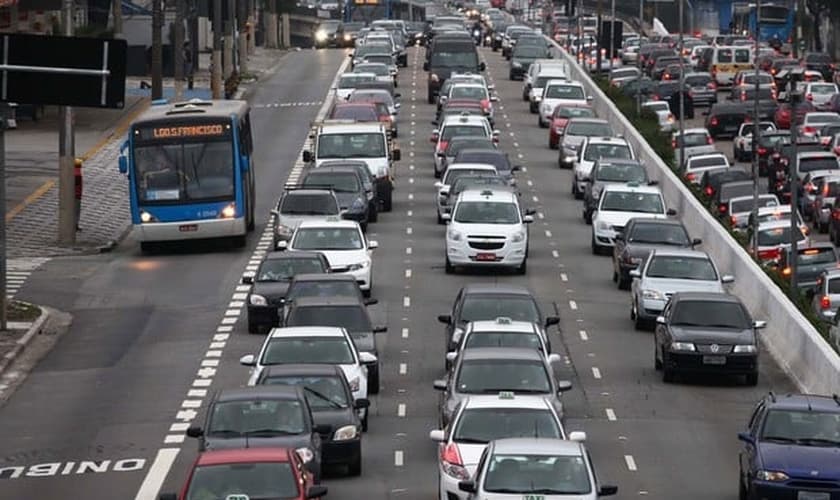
[583, 335]
[408, 230]
[409, 213]
[408, 273]
[405, 333]
[573, 305]
[529, 182]
[610, 414]
[564, 277]
[408, 250]
[631, 462]
[540, 215]
[555, 254]
[398, 458]
[596, 372]
[403, 368]
[536, 199]
[547, 233]
[406, 301]
[401, 410]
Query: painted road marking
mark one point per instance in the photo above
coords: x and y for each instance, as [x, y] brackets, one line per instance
[398, 458]
[573, 305]
[610, 414]
[583, 335]
[157, 474]
[630, 461]
[596, 372]
[401, 410]
[403, 368]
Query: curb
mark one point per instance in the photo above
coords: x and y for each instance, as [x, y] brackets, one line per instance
[24, 341]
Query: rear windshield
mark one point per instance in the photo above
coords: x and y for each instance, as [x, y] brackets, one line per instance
[741, 206]
[692, 139]
[712, 161]
[728, 191]
[309, 204]
[811, 256]
[810, 164]
[564, 92]
[776, 236]
[589, 129]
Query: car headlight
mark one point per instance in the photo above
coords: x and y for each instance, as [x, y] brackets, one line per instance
[433, 77]
[747, 348]
[257, 300]
[305, 454]
[652, 295]
[454, 235]
[516, 64]
[682, 346]
[345, 433]
[320, 36]
[358, 205]
[358, 266]
[282, 230]
[771, 475]
[603, 226]
[518, 237]
[354, 384]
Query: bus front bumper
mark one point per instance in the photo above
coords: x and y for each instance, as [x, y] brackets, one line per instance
[190, 230]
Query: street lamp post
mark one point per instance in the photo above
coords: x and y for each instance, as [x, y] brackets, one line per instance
[681, 87]
[639, 57]
[612, 34]
[756, 131]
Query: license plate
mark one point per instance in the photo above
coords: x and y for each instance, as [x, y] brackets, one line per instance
[714, 360]
[813, 495]
[533, 497]
[730, 129]
[188, 228]
[485, 256]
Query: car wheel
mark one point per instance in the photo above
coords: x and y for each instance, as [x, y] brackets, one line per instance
[587, 216]
[354, 468]
[667, 373]
[743, 494]
[439, 219]
[448, 267]
[386, 202]
[752, 379]
[822, 228]
[523, 268]
[639, 323]
[615, 276]
[510, 76]
[524, 96]
[365, 422]
[430, 99]
[622, 283]
[552, 144]
[532, 107]
[373, 214]
[657, 364]
[373, 379]
[595, 249]
[540, 121]
[366, 293]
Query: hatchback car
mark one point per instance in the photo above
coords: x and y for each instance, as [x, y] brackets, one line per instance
[575, 133]
[618, 204]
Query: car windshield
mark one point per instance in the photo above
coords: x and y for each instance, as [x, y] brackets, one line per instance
[542, 80]
[626, 201]
[808, 428]
[352, 318]
[624, 73]
[614, 151]
[490, 307]
[469, 130]
[773, 237]
[575, 112]
[824, 88]
[459, 143]
[284, 269]
[565, 92]
[468, 92]
[322, 392]
[692, 139]
[327, 288]
[528, 51]
[328, 238]
[745, 205]
[503, 339]
[318, 350]
[821, 118]
[340, 182]
[659, 234]
[620, 173]
[589, 129]
[376, 69]
[350, 81]
[482, 425]
[459, 59]
[356, 145]
[537, 475]
[819, 163]
[486, 212]
[491, 376]
[453, 174]
[262, 417]
[355, 113]
[710, 314]
[308, 204]
[274, 480]
[814, 256]
[685, 268]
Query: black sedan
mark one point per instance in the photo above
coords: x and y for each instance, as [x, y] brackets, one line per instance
[271, 282]
[333, 409]
[701, 332]
[349, 189]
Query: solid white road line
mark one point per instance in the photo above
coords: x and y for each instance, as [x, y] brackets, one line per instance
[157, 474]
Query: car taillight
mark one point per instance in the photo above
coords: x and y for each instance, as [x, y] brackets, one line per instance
[762, 151]
[722, 208]
[709, 190]
[711, 86]
[787, 271]
[825, 140]
[835, 214]
[743, 96]
[666, 76]
[825, 302]
[434, 138]
[809, 130]
[771, 254]
[709, 140]
[733, 220]
[809, 97]
[654, 97]
[690, 176]
[713, 121]
[674, 144]
[450, 454]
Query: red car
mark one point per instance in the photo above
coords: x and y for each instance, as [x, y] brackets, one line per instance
[248, 473]
[561, 117]
[783, 112]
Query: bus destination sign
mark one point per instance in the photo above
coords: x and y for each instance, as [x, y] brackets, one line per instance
[184, 131]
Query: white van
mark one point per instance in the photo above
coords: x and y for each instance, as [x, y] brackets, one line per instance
[727, 61]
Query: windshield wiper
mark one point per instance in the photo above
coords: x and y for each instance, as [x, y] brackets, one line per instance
[468, 440]
[225, 432]
[782, 439]
[270, 432]
[323, 397]
[818, 441]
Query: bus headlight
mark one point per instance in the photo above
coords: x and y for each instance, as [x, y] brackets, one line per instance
[147, 217]
[229, 212]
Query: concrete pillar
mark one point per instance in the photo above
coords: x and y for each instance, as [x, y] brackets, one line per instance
[286, 30]
[243, 52]
[227, 54]
[252, 34]
[271, 30]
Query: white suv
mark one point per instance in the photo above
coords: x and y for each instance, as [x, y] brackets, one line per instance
[487, 228]
[557, 92]
[462, 125]
[618, 204]
[594, 149]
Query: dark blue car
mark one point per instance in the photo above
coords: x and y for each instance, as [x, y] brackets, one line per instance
[792, 449]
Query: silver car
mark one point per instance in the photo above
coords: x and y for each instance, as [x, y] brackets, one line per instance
[827, 190]
[299, 204]
[741, 207]
[666, 272]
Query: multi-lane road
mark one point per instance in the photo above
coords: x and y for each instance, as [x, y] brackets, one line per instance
[152, 336]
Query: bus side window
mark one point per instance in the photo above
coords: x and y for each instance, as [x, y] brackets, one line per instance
[246, 145]
[742, 56]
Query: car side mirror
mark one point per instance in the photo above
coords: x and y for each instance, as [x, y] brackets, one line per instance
[660, 320]
[397, 95]
[607, 490]
[195, 431]
[494, 99]
[248, 280]
[530, 211]
[380, 329]
[361, 403]
[248, 360]
[371, 302]
[367, 358]
[528, 219]
[635, 273]
[451, 356]
[759, 324]
[696, 241]
[554, 358]
[563, 385]
[671, 212]
[589, 98]
[445, 319]
[437, 435]
[122, 162]
[307, 156]
[446, 217]
[727, 278]
[397, 105]
[482, 66]
[316, 491]
[282, 245]
[653, 183]
[468, 486]
[439, 385]
[577, 436]
[425, 66]
[551, 321]
[372, 244]
[618, 237]
[516, 168]
[746, 437]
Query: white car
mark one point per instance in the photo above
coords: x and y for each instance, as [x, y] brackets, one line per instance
[618, 204]
[343, 244]
[740, 209]
[557, 92]
[454, 171]
[314, 345]
[699, 165]
[814, 120]
[534, 69]
[663, 114]
[742, 143]
[348, 82]
[482, 419]
[534, 466]
[487, 228]
[501, 332]
[820, 93]
[698, 141]
[597, 148]
[463, 125]
[666, 272]
[383, 73]
[547, 74]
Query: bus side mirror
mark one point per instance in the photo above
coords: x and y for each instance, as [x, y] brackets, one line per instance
[123, 164]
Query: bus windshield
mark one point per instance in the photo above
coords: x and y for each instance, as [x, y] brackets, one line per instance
[189, 171]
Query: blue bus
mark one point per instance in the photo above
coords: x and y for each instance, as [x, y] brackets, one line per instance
[190, 171]
[775, 20]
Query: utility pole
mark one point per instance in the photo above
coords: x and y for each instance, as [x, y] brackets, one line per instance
[598, 45]
[4, 108]
[157, 49]
[242, 13]
[118, 22]
[680, 91]
[639, 57]
[227, 56]
[756, 131]
[612, 35]
[178, 49]
[66, 158]
[794, 196]
[216, 76]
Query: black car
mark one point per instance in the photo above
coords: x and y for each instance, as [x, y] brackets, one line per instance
[325, 285]
[460, 142]
[609, 171]
[522, 58]
[447, 56]
[348, 33]
[368, 182]
[252, 417]
[703, 332]
[638, 238]
[480, 302]
[714, 178]
[348, 187]
[643, 85]
[724, 119]
[495, 157]
[271, 282]
[344, 312]
[334, 410]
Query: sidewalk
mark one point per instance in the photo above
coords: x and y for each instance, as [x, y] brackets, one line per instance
[32, 168]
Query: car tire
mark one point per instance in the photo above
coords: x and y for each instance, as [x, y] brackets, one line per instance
[524, 96]
[667, 373]
[822, 228]
[387, 201]
[430, 99]
[366, 293]
[540, 121]
[373, 379]
[522, 268]
[622, 283]
[595, 249]
[551, 145]
[587, 217]
[639, 323]
[365, 421]
[439, 219]
[743, 493]
[657, 364]
[510, 76]
[751, 379]
[354, 468]
[149, 247]
[448, 267]
[533, 108]
[373, 214]
[615, 276]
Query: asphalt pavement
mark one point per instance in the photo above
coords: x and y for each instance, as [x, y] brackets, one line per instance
[147, 329]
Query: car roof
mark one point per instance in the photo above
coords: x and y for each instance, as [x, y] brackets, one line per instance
[331, 301]
[470, 166]
[537, 446]
[606, 140]
[303, 369]
[242, 455]
[707, 155]
[773, 224]
[327, 224]
[517, 353]
[276, 255]
[494, 288]
[588, 120]
[695, 130]
[816, 154]
[706, 296]
[344, 128]
[465, 120]
[631, 187]
[681, 252]
[502, 325]
[649, 220]
[483, 152]
[803, 402]
[306, 331]
[489, 194]
[259, 392]
[322, 276]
